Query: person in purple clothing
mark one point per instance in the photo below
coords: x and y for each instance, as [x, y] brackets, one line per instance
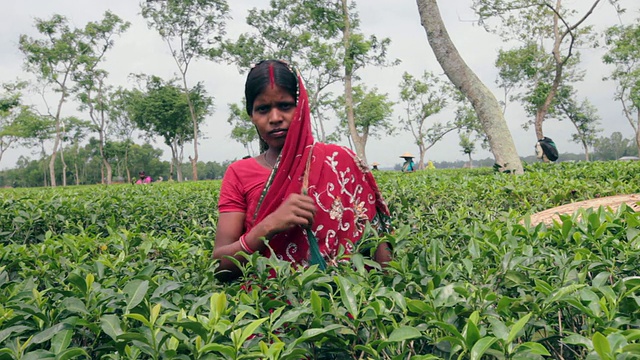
[144, 178]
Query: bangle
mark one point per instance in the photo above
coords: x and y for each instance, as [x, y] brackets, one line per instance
[244, 246]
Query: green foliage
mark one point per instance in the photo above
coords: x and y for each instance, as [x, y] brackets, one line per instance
[243, 130]
[614, 147]
[124, 272]
[423, 98]
[372, 112]
[623, 44]
[583, 116]
[192, 28]
[164, 110]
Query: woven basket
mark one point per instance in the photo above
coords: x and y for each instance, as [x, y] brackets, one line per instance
[613, 202]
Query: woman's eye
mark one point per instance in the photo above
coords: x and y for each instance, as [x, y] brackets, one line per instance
[262, 109]
[286, 106]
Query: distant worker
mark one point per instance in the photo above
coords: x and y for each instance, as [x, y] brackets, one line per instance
[144, 178]
[546, 150]
[374, 166]
[409, 165]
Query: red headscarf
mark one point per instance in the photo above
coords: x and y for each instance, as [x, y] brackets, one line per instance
[343, 187]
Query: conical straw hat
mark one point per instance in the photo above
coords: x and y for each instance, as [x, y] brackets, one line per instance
[375, 164]
[407, 155]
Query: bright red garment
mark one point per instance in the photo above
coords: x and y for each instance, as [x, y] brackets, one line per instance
[241, 188]
[343, 188]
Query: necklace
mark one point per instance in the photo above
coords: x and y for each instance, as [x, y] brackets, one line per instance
[266, 161]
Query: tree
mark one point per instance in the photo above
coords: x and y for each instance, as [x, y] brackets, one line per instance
[162, 110]
[614, 147]
[91, 87]
[12, 111]
[371, 111]
[530, 69]
[57, 56]
[468, 146]
[422, 99]
[297, 31]
[623, 44]
[191, 29]
[584, 118]
[534, 22]
[243, 130]
[74, 131]
[358, 51]
[123, 125]
[36, 130]
[483, 101]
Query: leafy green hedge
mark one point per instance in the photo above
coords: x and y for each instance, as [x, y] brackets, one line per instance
[125, 272]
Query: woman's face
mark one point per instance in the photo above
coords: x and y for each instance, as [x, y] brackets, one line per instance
[272, 114]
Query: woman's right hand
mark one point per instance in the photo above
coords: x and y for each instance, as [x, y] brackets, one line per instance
[296, 210]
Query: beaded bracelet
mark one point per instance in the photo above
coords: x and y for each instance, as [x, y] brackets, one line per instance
[244, 246]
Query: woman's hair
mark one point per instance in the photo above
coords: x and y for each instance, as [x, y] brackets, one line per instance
[269, 73]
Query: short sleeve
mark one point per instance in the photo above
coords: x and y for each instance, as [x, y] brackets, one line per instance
[231, 195]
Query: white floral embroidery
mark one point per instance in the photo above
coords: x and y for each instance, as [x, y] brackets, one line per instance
[350, 212]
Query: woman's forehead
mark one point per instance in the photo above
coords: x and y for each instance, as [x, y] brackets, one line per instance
[274, 93]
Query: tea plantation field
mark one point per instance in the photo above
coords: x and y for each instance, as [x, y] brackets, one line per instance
[125, 272]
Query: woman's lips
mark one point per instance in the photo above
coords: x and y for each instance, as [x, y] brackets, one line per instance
[278, 133]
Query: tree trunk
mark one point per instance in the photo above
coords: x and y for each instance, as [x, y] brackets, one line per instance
[423, 152]
[194, 119]
[586, 150]
[54, 153]
[358, 141]
[470, 161]
[484, 102]
[105, 163]
[64, 165]
[77, 173]
[44, 166]
[126, 164]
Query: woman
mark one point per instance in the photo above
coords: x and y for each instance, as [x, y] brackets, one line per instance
[308, 199]
[409, 165]
[143, 178]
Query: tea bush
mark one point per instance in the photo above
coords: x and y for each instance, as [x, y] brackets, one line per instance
[125, 272]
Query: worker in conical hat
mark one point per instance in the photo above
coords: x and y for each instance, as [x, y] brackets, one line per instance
[374, 166]
[408, 165]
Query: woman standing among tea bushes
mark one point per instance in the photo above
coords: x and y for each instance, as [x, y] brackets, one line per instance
[309, 199]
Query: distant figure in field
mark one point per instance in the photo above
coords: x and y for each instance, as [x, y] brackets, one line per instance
[374, 166]
[144, 178]
[546, 150]
[160, 178]
[409, 165]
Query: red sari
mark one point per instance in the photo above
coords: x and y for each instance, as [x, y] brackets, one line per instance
[345, 192]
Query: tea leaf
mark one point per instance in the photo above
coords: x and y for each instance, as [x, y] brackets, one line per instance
[72, 353]
[515, 329]
[601, 346]
[48, 333]
[404, 333]
[135, 290]
[481, 346]
[110, 324]
[61, 341]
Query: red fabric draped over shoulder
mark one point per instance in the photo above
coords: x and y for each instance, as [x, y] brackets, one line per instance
[343, 188]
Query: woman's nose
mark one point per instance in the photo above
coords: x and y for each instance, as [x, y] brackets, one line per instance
[275, 115]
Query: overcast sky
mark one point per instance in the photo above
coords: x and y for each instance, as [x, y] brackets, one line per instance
[140, 50]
